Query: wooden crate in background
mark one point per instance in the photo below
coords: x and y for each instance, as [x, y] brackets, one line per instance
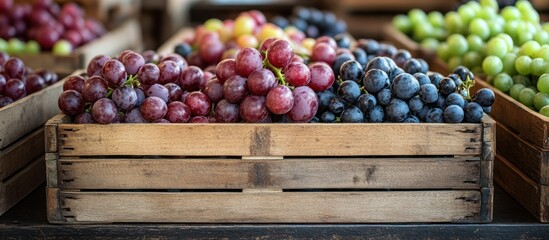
[269, 173]
[22, 144]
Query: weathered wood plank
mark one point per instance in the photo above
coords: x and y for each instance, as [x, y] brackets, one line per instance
[19, 154]
[28, 113]
[51, 131]
[22, 183]
[530, 159]
[52, 173]
[270, 139]
[526, 191]
[371, 173]
[288, 207]
[530, 125]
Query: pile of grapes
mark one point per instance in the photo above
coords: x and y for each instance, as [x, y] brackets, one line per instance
[313, 22]
[44, 25]
[18, 81]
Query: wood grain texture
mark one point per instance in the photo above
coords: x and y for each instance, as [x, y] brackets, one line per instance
[285, 207]
[28, 113]
[530, 159]
[19, 154]
[52, 173]
[529, 124]
[533, 196]
[51, 131]
[318, 173]
[179, 37]
[22, 183]
[270, 139]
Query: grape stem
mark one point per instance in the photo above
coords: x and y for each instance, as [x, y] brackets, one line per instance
[132, 81]
[277, 71]
[466, 86]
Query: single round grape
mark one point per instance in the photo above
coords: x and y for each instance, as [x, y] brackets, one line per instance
[435, 78]
[351, 70]
[370, 46]
[378, 63]
[15, 89]
[538, 67]
[323, 52]
[366, 102]
[422, 78]
[170, 72]
[412, 66]
[493, 65]
[348, 91]
[397, 110]
[305, 104]
[280, 53]
[455, 99]
[541, 100]
[225, 69]
[153, 108]
[327, 117]
[74, 82]
[405, 86]
[214, 90]
[178, 112]
[235, 89]
[114, 72]
[71, 102]
[475, 43]
[280, 100]
[457, 44]
[473, 112]
[297, 74]
[181, 62]
[148, 74]
[515, 90]
[140, 96]
[428, 93]
[526, 97]
[336, 106]
[84, 118]
[447, 86]
[191, 79]
[261, 81]
[124, 97]
[94, 89]
[384, 96]
[134, 116]
[199, 103]
[352, 115]
[497, 47]
[376, 115]
[247, 61]
[544, 111]
[104, 111]
[183, 49]
[415, 104]
[401, 56]
[253, 109]
[35, 83]
[322, 77]
[485, 97]
[503, 82]
[14, 68]
[159, 91]
[543, 83]
[132, 62]
[522, 64]
[340, 59]
[434, 115]
[5, 100]
[226, 112]
[211, 51]
[453, 114]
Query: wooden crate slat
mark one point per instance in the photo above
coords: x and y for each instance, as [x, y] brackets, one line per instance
[28, 113]
[21, 153]
[533, 196]
[378, 173]
[22, 183]
[270, 139]
[529, 124]
[288, 207]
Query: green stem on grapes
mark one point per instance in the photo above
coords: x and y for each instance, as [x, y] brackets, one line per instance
[87, 107]
[466, 86]
[363, 90]
[109, 93]
[277, 71]
[132, 81]
[338, 119]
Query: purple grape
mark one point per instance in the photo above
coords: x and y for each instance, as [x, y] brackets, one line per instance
[158, 90]
[114, 72]
[74, 83]
[132, 62]
[191, 78]
[140, 96]
[261, 81]
[134, 116]
[305, 105]
[177, 59]
[3, 82]
[280, 100]
[199, 119]
[235, 89]
[247, 61]
[95, 65]
[214, 90]
[169, 72]
[124, 97]
[34, 83]
[225, 69]
[178, 112]
[104, 111]
[226, 112]
[322, 77]
[94, 89]
[153, 108]
[15, 89]
[148, 74]
[5, 100]
[199, 103]
[174, 92]
[280, 53]
[253, 109]
[84, 118]
[150, 56]
[14, 68]
[70, 102]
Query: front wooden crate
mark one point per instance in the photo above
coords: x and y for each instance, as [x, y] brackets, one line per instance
[127, 36]
[523, 155]
[269, 173]
[22, 144]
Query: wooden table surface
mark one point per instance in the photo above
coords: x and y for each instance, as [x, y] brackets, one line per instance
[27, 220]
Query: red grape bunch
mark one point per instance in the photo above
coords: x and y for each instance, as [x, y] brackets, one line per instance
[18, 81]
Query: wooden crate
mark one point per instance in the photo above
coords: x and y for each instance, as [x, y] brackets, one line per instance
[269, 173]
[523, 153]
[401, 41]
[22, 144]
[127, 36]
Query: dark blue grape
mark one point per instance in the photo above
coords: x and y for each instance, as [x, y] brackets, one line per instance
[336, 106]
[473, 112]
[422, 114]
[395, 73]
[424, 65]
[183, 49]
[366, 102]
[428, 93]
[370, 46]
[386, 50]
[360, 56]
[440, 102]
[352, 115]
[374, 80]
[340, 59]
[446, 86]
[327, 117]
[401, 56]
[435, 77]
[405, 86]
[324, 99]
[376, 115]
[314, 120]
[299, 24]
[342, 40]
[348, 91]
[453, 114]
[456, 79]
[351, 70]
[462, 72]
[378, 63]
[455, 99]
[434, 115]
[485, 97]
[487, 109]
[411, 119]
[397, 110]
[280, 21]
[422, 78]
[391, 63]
[412, 66]
[415, 104]
[384, 96]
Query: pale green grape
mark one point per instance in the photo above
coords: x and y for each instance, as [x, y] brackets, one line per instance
[492, 65]
[457, 44]
[417, 16]
[543, 52]
[496, 47]
[510, 13]
[480, 28]
[542, 37]
[526, 97]
[524, 37]
[443, 51]
[511, 29]
[32, 47]
[475, 43]
[213, 24]
[543, 83]
[423, 31]
[429, 43]
[487, 13]
[473, 59]
[537, 67]
[436, 19]
[524, 80]
[3, 45]
[467, 13]
[453, 23]
[522, 64]
[514, 91]
[16, 46]
[508, 40]
[492, 4]
[541, 100]
[503, 82]
[495, 26]
[402, 23]
[544, 111]
[509, 63]
[62, 47]
[529, 48]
